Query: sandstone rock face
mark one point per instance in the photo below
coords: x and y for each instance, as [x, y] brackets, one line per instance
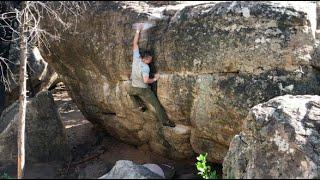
[315, 62]
[124, 169]
[45, 135]
[280, 139]
[318, 14]
[216, 61]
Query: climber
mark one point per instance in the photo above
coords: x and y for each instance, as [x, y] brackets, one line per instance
[140, 80]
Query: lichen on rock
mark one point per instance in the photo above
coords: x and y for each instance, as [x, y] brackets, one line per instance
[280, 139]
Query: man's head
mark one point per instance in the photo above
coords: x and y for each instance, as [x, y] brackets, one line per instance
[146, 56]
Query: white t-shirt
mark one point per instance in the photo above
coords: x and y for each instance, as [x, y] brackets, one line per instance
[139, 70]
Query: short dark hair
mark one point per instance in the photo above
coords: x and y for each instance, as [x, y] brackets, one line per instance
[145, 53]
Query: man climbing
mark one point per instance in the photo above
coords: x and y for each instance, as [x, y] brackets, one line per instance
[140, 80]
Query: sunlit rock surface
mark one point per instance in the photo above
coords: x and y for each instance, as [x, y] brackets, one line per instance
[279, 140]
[216, 60]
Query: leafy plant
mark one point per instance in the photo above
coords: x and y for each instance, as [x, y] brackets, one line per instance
[205, 169]
[5, 176]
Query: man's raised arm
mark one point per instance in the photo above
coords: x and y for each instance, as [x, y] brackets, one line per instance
[136, 37]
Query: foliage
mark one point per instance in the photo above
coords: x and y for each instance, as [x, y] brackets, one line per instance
[5, 176]
[205, 169]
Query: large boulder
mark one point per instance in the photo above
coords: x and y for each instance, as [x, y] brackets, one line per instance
[216, 61]
[124, 169]
[45, 135]
[318, 14]
[280, 140]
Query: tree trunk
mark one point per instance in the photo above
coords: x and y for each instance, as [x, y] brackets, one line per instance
[22, 98]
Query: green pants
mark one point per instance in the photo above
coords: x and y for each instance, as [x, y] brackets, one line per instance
[148, 97]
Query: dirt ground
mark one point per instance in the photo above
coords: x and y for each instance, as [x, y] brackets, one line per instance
[94, 152]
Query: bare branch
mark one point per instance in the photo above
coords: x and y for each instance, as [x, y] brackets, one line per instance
[36, 12]
[7, 75]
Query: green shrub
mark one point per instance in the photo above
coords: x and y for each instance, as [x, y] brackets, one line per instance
[205, 169]
[5, 176]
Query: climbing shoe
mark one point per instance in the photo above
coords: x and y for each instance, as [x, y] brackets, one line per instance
[143, 108]
[169, 123]
[140, 108]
